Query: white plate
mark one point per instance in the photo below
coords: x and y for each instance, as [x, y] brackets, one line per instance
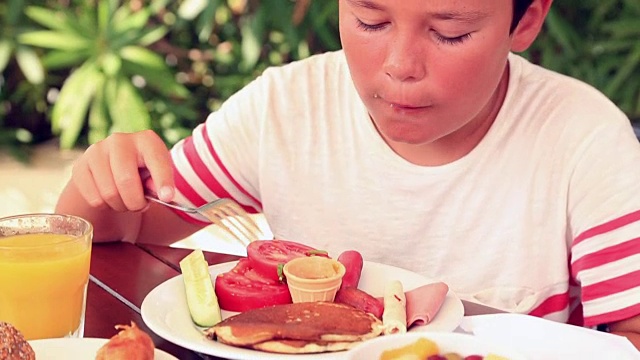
[77, 348]
[165, 311]
[461, 344]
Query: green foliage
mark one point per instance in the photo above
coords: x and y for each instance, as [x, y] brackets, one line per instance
[597, 41]
[107, 50]
[99, 66]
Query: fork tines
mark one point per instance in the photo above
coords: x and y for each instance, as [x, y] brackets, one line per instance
[232, 218]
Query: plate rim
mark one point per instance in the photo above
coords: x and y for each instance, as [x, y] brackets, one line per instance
[250, 354]
[95, 341]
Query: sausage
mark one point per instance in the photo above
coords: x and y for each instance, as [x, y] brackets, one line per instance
[360, 300]
[353, 262]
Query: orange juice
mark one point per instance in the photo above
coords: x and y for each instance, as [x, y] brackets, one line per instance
[43, 280]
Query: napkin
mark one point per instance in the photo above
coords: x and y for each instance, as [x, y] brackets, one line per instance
[537, 338]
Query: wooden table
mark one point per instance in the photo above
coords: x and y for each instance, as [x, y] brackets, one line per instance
[122, 274]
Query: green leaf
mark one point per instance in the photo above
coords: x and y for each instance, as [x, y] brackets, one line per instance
[207, 21]
[54, 40]
[150, 36]
[30, 65]
[124, 21]
[143, 62]
[49, 18]
[98, 118]
[104, 15]
[14, 11]
[127, 109]
[631, 63]
[623, 28]
[59, 59]
[251, 46]
[189, 9]
[70, 109]
[143, 57]
[5, 53]
[562, 31]
[632, 6]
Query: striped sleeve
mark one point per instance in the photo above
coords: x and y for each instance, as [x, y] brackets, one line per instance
[606, 262]
[201, 176]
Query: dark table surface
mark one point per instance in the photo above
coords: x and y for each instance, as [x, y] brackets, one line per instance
[122, 274]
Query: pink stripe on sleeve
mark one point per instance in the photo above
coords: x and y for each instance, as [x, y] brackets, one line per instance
[228, 175]
[606, 256]
[613, 316]
[183, 186]
[202, 170]
[611, 286]
[608, 226]
[551, 304]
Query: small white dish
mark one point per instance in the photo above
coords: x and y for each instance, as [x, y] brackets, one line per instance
[462, 344]
[77, 348]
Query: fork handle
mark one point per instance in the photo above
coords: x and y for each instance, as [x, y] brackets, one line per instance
[173, 206]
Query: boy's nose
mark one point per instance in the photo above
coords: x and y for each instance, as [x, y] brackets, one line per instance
[404, 61]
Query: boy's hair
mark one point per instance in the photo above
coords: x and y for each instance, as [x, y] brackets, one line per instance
[519, 8]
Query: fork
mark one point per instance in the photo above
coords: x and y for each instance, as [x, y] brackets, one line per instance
[238, 222]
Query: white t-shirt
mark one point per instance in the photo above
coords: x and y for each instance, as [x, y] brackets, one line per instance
[547, 201]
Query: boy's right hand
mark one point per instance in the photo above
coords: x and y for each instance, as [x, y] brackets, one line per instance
[111, 173]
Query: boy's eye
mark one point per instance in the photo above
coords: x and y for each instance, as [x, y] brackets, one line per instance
[370, 27]
[452, 40]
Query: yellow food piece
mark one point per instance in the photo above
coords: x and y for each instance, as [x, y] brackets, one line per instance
[201, 297]
[313, 267]
[420, 349]
[453, 356]
[494, 357]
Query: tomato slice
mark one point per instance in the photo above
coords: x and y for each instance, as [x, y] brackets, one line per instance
[266, 255]
[242, 289]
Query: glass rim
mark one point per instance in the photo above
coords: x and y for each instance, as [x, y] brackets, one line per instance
[74, 238]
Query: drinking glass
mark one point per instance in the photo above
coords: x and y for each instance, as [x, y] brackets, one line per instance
[44, 272]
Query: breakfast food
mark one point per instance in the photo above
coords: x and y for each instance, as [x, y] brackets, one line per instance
[394, 316]
[360, 299]
[426, 349]
[13, 345]
[313, 278]
[270, 320]
[257, 281]
[424, 302]
[242, 289]
[129, 343]
[267, 257]
[353, 263]
[307, 327]
[201, 297]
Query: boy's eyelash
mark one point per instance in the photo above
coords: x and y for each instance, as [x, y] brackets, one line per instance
[452, 40]
[441, 39]
[368, 27]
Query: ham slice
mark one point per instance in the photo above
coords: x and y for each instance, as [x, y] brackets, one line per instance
[424, 302]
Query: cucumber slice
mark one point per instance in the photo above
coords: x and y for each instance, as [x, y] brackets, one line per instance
[201, 296]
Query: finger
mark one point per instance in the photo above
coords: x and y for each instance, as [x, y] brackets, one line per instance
[83, 181]
[101, 172]
[157, 161]
[124, 164]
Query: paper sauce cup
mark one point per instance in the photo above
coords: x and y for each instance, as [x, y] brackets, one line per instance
[313, 278]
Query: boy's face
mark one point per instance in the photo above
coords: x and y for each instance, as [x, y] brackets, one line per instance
[425, 69]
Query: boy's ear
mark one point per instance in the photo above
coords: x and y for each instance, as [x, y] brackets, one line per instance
[530, 24]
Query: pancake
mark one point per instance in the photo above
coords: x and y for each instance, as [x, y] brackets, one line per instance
[308, 327]
[303, 347]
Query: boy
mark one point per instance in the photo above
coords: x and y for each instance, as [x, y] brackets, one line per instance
[425, 144]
